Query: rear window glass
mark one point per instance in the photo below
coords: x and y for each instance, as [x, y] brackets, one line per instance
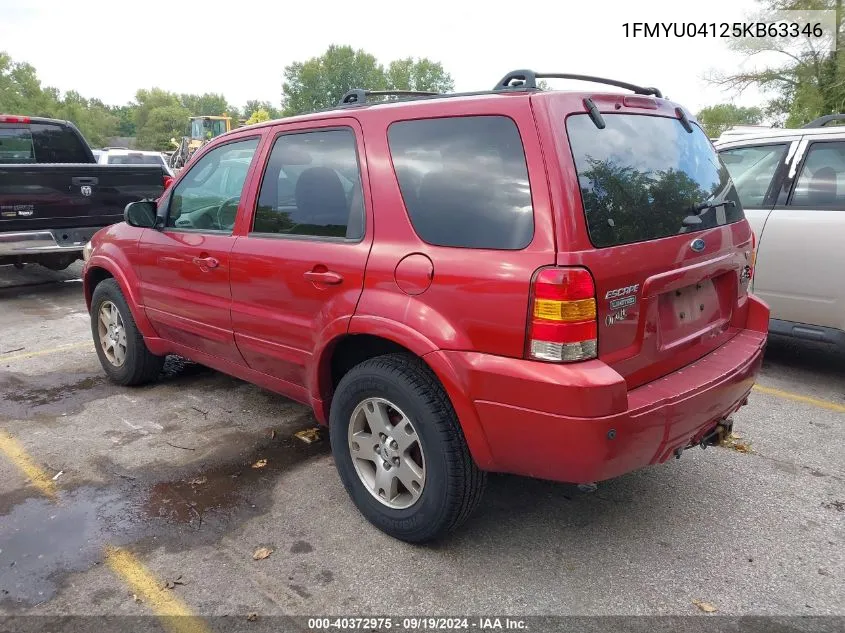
[16, 145]
[464, 181]
[135, 159]
[646, 177]
[56, 144]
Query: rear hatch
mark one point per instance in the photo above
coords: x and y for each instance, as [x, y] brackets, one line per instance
[660, 227]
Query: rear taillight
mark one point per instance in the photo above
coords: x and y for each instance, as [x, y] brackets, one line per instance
[167, 180]
[563, 316]
[13, 118]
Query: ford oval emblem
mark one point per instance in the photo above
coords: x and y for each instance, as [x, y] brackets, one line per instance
[697, 245]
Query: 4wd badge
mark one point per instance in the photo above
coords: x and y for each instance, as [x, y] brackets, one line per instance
[85, 190]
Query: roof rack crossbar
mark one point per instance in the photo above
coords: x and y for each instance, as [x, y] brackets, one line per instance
[824, 120]
[359, 96]
[527, 80]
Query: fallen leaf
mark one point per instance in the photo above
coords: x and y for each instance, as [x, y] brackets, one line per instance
[261, 463]
[309, 436]
[735, 442]
[171, 584]
[252, 617]
[704, 606]
[261, 553]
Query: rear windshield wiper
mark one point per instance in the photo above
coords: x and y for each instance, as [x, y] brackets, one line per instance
[706, 206]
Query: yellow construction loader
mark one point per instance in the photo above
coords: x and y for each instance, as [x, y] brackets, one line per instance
[203, 129]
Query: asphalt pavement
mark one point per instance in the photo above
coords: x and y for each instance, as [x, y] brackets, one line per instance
[154, 500]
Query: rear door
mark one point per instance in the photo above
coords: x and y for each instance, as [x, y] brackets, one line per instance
[665, 240]
[301, 266]
[800, 256]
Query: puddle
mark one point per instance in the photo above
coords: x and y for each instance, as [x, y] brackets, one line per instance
[66, 393]
[43, 541]
[208, 495]
[51, 394]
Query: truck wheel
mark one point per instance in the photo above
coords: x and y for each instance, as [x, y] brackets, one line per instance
[400, 450]
[120, 346]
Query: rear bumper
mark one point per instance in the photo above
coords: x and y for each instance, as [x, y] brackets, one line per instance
[555, 440]
[45, 241]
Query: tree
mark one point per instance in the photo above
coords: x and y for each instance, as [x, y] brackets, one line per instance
[718, 118]
[149, 100]
[259, 116]
[253, 105]
[125, 115]
[92, 117]
[21, 91]
[161, 124]
[422, 74]
[808, 82]
[321, 81]
[207, 104]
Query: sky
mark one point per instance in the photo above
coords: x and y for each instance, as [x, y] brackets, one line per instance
[109, 49]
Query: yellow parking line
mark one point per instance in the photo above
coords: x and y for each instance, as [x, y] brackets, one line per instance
[45, 352]
[788, 395]
[175, 615]
[17, 454]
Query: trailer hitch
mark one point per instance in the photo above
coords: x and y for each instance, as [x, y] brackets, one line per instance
[718, 435]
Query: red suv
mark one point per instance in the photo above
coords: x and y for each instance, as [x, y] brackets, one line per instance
[552, 284]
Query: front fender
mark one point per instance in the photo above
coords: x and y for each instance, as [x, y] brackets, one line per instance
[114, 261]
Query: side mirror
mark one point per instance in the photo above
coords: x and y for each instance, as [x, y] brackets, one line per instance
[141, 214]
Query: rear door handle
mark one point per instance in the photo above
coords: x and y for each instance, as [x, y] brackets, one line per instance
[84, 180]
[327, 277]
[206, 262]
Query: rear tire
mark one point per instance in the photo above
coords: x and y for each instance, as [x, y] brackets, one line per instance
[447, 486]
[120, 346]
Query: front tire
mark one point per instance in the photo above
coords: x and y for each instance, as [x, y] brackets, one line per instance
[120, 346]
[400, 451]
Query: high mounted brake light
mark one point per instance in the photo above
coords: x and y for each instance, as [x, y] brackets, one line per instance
[13, 118]
[563, 316]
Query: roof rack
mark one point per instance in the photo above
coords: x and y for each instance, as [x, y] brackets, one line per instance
[824, 120]
[359, 96]
[527, 80]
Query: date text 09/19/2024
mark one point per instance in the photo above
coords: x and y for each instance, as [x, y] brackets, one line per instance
[418, 623]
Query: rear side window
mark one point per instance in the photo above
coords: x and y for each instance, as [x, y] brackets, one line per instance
[312, 186]
[16, 145]
[752, 169]
[821, 184]
[646, 177]
[464, 181]
[57, 144]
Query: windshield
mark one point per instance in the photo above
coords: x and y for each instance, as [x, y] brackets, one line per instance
[207, 128]
[646, 177]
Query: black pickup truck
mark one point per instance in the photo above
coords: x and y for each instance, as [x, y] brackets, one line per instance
[53, 194]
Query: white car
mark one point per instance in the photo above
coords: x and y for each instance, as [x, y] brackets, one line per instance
[122, 156]
[791, 183]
